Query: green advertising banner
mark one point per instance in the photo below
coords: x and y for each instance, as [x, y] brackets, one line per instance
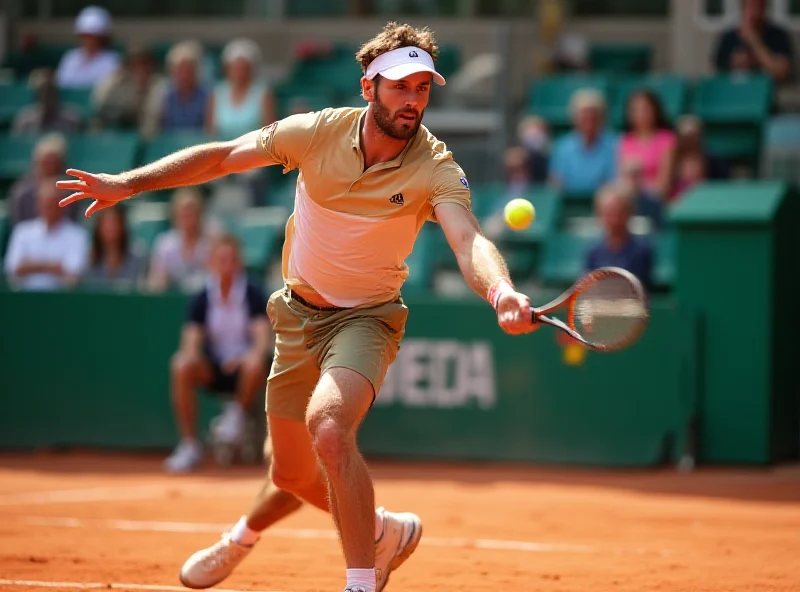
[88, 369]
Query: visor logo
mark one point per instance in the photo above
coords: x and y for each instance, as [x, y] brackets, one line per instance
[413, 54]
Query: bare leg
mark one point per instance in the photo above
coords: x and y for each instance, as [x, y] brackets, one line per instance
[271, 504]
[186, 374]
[252, 377]
[337, 407]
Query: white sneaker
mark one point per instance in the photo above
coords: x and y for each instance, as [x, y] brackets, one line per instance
[229, 426]
[188, 455]
[208, 567]
[401, 535]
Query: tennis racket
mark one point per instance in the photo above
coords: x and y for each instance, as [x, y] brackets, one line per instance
[606, 310]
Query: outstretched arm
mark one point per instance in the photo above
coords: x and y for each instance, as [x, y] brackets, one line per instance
[190, 166]
[484, 269]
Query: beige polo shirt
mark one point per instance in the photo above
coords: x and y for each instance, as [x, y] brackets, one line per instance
[352, 229]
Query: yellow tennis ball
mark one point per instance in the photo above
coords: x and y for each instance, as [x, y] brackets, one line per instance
[519, 213]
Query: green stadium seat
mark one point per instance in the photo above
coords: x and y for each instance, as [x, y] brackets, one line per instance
[15, 156]
[4, 228]
[166, 144]
[314, 8]
[147, 220]
[14, 97]
[671, 90]
[449, 60]
[260, 231]
[564, 258]
[781, 148]
[42, 56]
[104, 152]
[79, 98]
[550, 97]
[302, 98]
[422, 261]
[733, 110]
[339, 75]
[620, 58]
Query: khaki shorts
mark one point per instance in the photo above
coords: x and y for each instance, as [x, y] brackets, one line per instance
[309, 341]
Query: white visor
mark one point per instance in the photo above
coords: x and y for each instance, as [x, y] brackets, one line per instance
[402, 62]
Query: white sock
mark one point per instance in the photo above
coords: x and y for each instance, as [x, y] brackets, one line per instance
[242, 535]
[378, 525]
[361, 578]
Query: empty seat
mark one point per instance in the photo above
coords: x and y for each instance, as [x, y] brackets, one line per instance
[631, 58]
[147, 220]
[260, 231]
[550, 97]
[105, 152]
[16, 154]
[14, 97]
[564, 258]
[733, 110]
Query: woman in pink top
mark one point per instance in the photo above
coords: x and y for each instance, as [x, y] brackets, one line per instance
[649, 144]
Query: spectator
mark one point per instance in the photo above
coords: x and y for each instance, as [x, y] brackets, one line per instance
[49, 252]
[49, 160]
[180, 255]
[534, 137]
[585, 159]
[186, 99]
[86, 65]
[619, 248]
[225, 347]
[649, 144]
[755, 45]
[131, 97]
[243, 102]
[113, 261]
[48, 114]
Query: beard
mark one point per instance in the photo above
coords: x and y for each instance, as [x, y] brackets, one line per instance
[392, 124]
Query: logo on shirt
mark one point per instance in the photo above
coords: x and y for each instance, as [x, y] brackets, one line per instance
[397, 199]
[413, 54]
[464, 182]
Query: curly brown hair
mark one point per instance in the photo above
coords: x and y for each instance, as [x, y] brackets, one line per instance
[395, 36]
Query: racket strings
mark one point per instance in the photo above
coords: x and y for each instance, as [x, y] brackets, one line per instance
[609, 311]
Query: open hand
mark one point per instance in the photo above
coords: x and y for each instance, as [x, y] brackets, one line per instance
[514, 314]
[105, 190]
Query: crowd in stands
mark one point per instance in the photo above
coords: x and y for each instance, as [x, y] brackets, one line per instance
[650, 163]
[633, 164]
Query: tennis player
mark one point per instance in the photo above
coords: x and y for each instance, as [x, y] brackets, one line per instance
[369, 179]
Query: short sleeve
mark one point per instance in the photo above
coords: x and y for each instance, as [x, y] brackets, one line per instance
[723, 50]
[288, 140]
[256, 302]
[198, 305]
[449, 185]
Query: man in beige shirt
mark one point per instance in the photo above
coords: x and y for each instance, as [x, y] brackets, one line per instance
[369, 179]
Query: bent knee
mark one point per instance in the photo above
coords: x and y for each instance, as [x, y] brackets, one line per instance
[331, 441]
[181, 364]
[293, 479]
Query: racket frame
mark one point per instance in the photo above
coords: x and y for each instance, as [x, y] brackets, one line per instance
[568, 298]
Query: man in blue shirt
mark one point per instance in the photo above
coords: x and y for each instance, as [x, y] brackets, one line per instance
[619, 248]
[585, 159]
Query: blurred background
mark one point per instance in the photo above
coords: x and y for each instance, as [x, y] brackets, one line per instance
[662, 136]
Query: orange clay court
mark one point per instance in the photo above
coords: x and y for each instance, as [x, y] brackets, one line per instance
[92, 521]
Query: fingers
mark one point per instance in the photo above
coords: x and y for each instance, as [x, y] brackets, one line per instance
[73, 198]
[517, 319]
[71, 185]
[82, 175]
[97, 206]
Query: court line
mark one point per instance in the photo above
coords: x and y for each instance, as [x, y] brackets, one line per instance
[100, 494]
[108, 586]
[303, 533]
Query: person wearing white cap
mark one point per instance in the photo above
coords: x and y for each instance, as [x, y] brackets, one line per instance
[369, 180]
[92, 61]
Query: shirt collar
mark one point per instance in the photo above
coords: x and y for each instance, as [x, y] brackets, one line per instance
[238, 288]
[396, 161]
